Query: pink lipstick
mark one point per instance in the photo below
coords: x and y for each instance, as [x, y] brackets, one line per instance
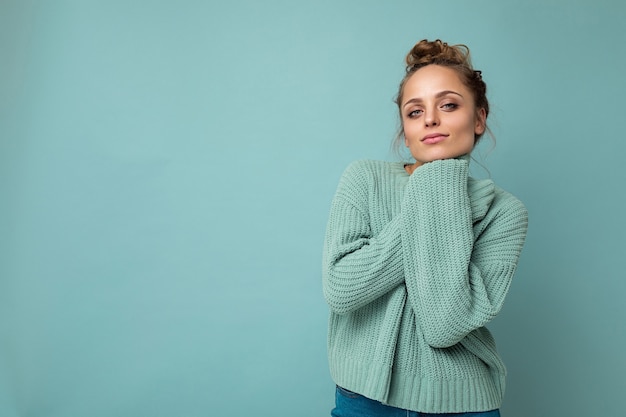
[433, 138]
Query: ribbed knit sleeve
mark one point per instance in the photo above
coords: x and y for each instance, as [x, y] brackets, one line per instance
[459, 256]
[358, 265]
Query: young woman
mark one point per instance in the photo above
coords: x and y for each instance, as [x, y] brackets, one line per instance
[418, 257]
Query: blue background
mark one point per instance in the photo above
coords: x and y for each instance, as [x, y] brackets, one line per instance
[166, 170]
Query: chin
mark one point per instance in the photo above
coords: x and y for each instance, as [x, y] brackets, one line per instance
[444, 154]
[437, 157]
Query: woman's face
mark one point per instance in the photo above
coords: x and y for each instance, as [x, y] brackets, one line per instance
[439, 118]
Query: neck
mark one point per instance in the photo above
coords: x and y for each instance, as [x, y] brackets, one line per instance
[410, 168]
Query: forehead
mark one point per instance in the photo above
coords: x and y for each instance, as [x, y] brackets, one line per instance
[431, 80]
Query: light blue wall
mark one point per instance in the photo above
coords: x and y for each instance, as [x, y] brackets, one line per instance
[166, 170]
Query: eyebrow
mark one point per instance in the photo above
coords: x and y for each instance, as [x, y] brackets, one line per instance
[438, 95]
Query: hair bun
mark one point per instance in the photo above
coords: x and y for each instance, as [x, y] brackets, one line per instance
[437, 52]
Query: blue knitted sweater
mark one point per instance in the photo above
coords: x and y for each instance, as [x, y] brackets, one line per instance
[414, 267]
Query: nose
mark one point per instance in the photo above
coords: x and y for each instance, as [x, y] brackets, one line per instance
[431, 119]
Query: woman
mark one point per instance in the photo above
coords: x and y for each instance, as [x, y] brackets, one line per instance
[418, 257]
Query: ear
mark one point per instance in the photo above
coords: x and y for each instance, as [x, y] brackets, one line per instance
[481, 122]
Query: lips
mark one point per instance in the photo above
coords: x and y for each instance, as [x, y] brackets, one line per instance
[433, 138]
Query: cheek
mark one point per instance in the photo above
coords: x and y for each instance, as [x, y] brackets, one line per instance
[469, 127]
[406, 133]
[409, 133]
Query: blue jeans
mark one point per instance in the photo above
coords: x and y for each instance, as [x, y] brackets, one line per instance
[351, 404]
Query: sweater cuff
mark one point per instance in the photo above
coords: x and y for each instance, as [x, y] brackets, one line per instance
[437, 192]
[442, 176]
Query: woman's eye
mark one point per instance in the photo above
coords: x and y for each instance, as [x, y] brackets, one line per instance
[449, 106]
[414, 113]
